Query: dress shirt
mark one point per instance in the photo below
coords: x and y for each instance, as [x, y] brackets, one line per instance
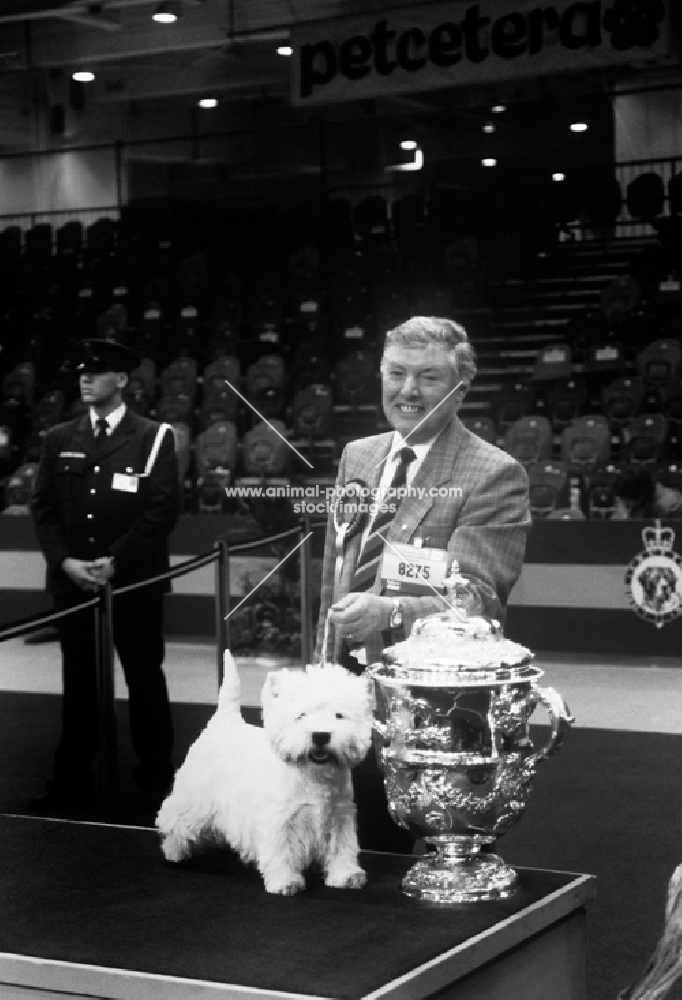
[113, 419]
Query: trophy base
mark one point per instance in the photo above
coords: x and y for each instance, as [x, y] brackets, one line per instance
[457, 872]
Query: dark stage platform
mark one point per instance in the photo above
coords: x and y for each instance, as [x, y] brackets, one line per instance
[94, 910]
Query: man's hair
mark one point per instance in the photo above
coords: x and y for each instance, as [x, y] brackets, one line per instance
[422, 330]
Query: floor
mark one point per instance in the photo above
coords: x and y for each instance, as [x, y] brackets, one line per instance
[603, 693]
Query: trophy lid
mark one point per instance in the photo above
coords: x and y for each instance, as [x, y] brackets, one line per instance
[457, 648]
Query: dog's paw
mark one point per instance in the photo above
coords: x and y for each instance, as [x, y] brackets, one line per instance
[285, 887]
[346, 880]
[175, 849]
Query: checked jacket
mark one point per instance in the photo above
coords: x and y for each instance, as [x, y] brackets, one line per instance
[484, 528]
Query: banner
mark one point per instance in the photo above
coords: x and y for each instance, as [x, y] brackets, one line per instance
[452, 44]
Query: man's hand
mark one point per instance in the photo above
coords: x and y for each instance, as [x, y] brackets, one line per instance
[102, 569]
[358, 616]
[81, 573]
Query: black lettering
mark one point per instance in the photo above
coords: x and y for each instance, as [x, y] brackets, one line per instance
[355, 57]
[445, 45]
[472, 24]
[508, 36]
[580, 25]
[318, 66]
[411, 41]
[538, 20]
[381, 37]
[401, 569]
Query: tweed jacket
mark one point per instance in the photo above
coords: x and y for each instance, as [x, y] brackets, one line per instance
[484, 529]
[78, 512]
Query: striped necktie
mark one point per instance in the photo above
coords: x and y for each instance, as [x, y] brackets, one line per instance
[365, 571]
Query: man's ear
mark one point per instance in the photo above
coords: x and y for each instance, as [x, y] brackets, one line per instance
[123, 379]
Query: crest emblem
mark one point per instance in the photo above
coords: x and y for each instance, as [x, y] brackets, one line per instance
[654, 577]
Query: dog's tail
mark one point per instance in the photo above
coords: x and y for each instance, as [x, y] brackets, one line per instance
[229, 697]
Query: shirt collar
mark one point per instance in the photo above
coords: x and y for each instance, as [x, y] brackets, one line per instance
[113, 419]
[420, 449]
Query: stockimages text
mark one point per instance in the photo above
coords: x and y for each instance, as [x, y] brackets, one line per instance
[318, 499]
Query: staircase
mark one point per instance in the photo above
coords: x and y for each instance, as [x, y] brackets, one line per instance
[531, 306]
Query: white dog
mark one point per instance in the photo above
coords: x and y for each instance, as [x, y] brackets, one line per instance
[282, 795]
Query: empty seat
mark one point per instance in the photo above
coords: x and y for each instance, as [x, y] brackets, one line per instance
[643, 439]
[553, 362]
[265, 454]
[529, 439]
[180, 376]
[660, 361]
[565, 400]
[313, 411]
[586, 442]
[548, 487]
[622, 399]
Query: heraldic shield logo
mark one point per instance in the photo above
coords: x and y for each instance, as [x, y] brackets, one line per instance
[654, 577]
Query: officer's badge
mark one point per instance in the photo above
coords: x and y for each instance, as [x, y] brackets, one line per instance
[654, 577]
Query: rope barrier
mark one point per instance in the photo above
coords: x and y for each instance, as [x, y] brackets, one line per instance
[24, 626]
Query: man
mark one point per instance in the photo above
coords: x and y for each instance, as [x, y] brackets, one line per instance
[106, 498]
[479, 514]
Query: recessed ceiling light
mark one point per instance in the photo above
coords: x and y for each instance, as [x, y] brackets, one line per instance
[285, 50]
[408, 144]
[558, 176]
[83, 76]
[166, 13]
[208, 102]
[579, 127]
[489, 127]
[489, 161]
[497, 109]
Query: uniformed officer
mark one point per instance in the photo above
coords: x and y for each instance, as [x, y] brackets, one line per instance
[106, 498]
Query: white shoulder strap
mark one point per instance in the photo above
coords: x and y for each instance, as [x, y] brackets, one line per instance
[155, 447]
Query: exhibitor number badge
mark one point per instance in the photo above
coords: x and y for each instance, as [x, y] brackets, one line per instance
[412, 569]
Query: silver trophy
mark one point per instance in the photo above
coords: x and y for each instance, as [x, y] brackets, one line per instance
[453, 709]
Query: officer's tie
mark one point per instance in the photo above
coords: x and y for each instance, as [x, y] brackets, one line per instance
[365, 571]
[101, 430]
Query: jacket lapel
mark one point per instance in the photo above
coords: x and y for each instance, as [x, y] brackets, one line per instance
[83, 437]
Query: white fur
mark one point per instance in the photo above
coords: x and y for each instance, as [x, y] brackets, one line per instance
[261, 791]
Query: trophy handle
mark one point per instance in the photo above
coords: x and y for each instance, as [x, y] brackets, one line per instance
[560, 717]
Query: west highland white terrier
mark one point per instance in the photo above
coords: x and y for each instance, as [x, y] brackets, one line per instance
[282, 795]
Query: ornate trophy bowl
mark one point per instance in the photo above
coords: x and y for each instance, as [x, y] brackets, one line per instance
[452, 714]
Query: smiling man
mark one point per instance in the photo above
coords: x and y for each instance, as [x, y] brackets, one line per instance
[449, 496]
[106, 498]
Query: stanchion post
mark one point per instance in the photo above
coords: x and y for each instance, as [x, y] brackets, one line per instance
[222, 604]
[107, 764]
[306, 604]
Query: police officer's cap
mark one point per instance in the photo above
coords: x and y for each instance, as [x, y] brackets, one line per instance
[98, 356]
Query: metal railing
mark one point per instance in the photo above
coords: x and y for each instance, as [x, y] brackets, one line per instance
[103, 606]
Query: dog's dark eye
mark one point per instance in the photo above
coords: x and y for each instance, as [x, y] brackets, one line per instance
[340, 715]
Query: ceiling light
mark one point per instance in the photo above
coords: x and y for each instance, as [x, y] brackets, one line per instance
[489, 161]
[579, 127]
[408, 144]
[285, 50]
[166, 13]
[208, 102]
[83, 76]
[497, 109]
[489, 127]
[558, 176]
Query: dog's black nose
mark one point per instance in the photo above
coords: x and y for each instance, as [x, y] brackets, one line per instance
[320, 740]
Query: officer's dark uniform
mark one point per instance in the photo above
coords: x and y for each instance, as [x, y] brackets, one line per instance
[90, 500]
